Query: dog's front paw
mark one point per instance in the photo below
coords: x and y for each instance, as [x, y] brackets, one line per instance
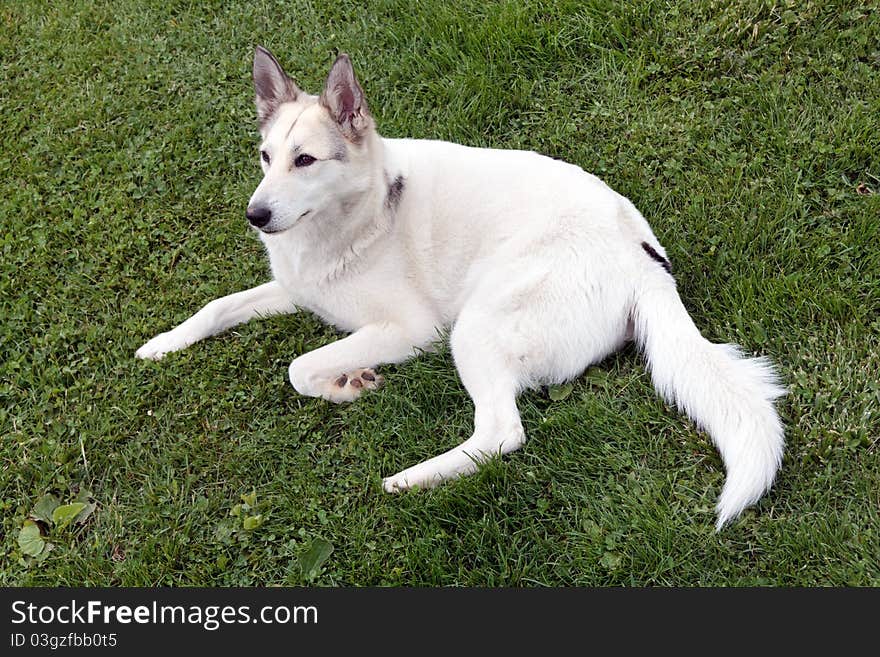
[348, 386]
[162, 344]
[395, 483]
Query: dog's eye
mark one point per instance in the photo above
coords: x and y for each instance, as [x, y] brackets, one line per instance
[303, 160]
[265, 156]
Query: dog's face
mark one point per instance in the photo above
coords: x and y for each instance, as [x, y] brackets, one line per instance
[315, 151]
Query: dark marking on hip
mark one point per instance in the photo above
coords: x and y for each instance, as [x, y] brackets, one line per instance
[659, 258]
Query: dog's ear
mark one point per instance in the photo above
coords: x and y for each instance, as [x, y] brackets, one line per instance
[344, 99]
[271, 84]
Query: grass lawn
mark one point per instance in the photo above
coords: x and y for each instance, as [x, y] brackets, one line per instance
[748, 133]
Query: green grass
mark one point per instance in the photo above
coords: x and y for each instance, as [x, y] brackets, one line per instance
[747, 132]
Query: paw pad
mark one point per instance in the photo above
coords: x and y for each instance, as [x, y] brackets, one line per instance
[349, 385]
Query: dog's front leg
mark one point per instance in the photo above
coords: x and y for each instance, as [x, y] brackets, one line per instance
[342, 370]
[219, 315]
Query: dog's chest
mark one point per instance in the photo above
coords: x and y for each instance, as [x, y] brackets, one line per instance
[337, 306]
[378, 287]
[346, 302]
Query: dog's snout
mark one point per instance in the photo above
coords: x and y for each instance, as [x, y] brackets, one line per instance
[258, 216]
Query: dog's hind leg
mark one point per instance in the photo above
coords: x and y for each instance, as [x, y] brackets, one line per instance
[219, 315]
[492, 380]
[536, 319]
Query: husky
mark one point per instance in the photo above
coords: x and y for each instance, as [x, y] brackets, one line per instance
[535, 267]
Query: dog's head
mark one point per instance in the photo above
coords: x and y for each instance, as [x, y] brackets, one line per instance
[316, 150]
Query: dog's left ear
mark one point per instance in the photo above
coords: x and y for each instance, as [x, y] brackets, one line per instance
[344, 99]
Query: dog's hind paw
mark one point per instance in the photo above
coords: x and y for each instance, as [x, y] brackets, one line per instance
[418, 476]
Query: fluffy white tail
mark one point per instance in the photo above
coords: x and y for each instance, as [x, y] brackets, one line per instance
[727, 395]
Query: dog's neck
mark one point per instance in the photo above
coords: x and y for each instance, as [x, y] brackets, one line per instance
[334, 242]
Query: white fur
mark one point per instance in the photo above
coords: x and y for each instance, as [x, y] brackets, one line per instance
[537, 267]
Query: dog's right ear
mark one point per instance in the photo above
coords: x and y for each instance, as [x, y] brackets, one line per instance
[272, 85]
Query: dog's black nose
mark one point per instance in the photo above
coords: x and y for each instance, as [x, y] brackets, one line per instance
[258, 216]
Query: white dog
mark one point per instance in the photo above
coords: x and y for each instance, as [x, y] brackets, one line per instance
[539, 268]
